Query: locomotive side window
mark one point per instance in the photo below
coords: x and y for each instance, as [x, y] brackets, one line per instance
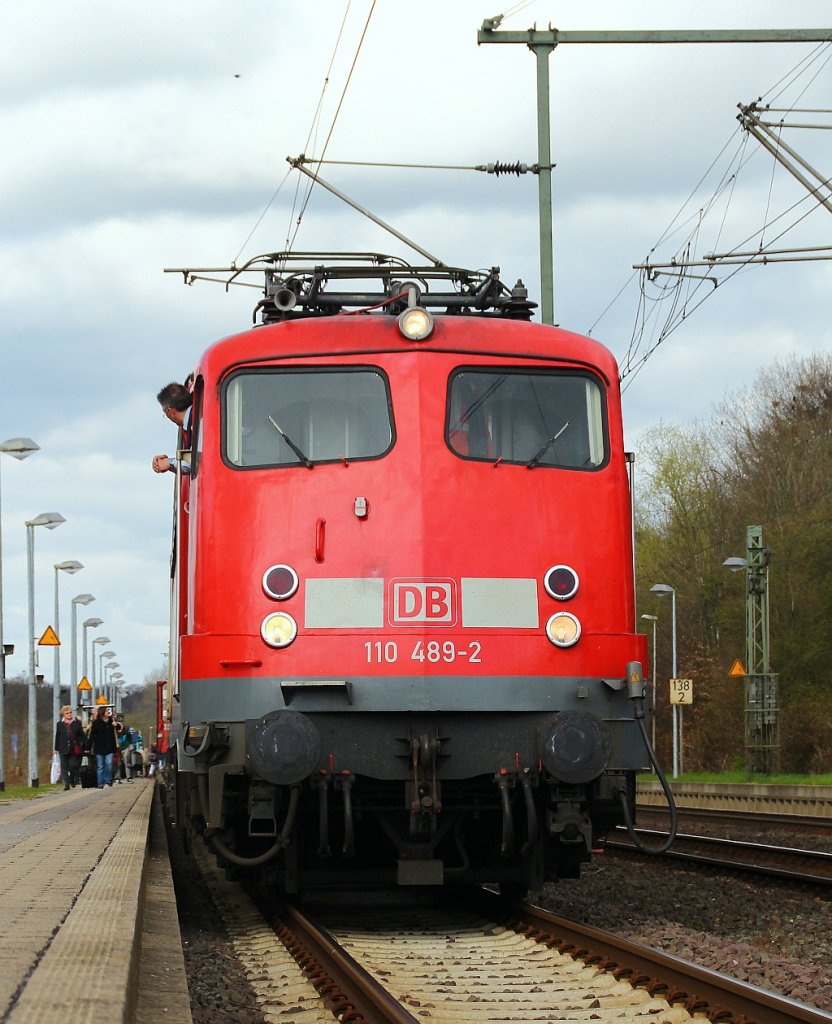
[196, 427]
[286, 417]
[547, 419]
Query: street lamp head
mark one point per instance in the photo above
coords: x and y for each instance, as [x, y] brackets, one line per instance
[661, 589]
[83, 599]
[19, 447]
[107, 654]
[735, 564]
[652, 618]
[71, 567]
[48, 519]
[91, 623]
[100, 639]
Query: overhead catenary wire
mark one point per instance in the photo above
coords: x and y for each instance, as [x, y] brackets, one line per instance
[293, 236]
[309, 140]
[304, 189]
[498, 167]
[316, 119]
[689, 290]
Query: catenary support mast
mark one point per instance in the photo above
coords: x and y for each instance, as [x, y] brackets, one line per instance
[541, 43]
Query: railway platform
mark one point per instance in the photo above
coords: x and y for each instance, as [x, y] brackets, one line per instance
[89, 927]
[757, 798]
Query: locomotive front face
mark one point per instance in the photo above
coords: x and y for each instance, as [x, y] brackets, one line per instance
[409, 583]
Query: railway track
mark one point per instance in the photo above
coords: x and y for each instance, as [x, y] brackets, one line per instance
[810, 866]
[739, 820]
[393, 957]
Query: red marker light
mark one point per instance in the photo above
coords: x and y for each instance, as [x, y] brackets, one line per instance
[561, 582]
[280, 581]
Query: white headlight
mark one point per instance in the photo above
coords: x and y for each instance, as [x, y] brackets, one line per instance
[416, 323]
[563, 629]
[279, 629]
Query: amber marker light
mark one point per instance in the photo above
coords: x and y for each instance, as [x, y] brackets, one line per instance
[279, 629]
[563, 629]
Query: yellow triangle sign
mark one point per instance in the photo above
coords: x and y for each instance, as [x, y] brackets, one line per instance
[101, 699]
[84, 684]
[737, 669]
[49, 638]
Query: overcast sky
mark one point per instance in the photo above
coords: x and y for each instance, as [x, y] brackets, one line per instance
[155, 135]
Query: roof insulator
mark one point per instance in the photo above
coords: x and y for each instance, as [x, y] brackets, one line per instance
[502, 168]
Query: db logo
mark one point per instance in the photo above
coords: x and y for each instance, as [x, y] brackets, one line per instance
[422, 602]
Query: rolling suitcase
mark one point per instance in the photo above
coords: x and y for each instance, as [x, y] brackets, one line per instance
[88, 774]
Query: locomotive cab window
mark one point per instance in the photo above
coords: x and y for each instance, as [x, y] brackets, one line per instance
[546, 419]
[289, 417]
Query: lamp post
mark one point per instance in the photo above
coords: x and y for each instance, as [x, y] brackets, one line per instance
[50, 520]
[117, 678]
[102, 675]
[654, 619]
[662, 590]
[78, 599]
[111, 686]
[19, 448]
[88, 624]
[96, 640]
[71, 567]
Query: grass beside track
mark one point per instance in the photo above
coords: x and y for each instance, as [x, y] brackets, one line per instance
[738, 777]
[11, 793]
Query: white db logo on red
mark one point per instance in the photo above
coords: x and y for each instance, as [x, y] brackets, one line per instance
[422, 602]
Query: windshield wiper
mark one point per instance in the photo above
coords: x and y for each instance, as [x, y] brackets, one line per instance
[546, 447]
[303, 458]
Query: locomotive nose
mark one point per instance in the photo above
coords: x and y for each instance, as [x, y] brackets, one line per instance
[575, 747]
[283, 747]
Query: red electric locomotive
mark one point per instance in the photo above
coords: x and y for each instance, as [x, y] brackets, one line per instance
[404, 646]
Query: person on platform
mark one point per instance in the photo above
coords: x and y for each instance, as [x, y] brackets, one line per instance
[176, 402]
[104, 744]
[69, 744]
[125, 750]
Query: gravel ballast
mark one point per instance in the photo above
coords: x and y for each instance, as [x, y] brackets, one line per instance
[775, 935]
[771, 934]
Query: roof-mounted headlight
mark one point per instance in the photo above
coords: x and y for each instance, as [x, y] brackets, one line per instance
[415, 323]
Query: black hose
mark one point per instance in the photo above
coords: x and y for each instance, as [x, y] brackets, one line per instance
[190, 751]
[323, 819]
[463, 855]
[507, 846]
[671, 803]
[531, 815]
[273, 851]
[348, 849]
